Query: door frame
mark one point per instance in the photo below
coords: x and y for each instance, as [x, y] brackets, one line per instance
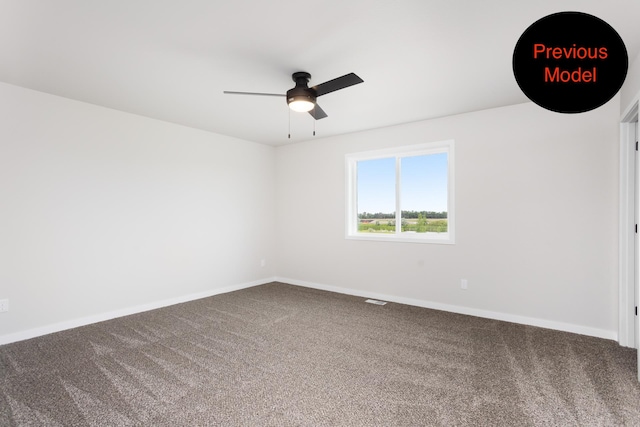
[628, 283]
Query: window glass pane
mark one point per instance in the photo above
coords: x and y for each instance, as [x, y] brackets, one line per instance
[376, 197]
[423, 193]
[411, 184]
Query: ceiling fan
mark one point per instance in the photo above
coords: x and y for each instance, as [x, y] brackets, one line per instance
[302, 98]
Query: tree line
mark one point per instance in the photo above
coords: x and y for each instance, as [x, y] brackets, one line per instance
[405, 215]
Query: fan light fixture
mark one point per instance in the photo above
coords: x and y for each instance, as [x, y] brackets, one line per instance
[301, 98]
[301, 104]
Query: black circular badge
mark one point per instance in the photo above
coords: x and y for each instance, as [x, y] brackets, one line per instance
[570, 62]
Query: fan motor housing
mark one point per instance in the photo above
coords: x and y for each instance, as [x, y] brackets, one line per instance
[301, 93]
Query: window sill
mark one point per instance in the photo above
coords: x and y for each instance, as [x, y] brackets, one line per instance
[409, 237]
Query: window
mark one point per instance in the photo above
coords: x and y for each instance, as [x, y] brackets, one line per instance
[403, 194]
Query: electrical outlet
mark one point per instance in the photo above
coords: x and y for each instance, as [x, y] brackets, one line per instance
[4, 305]
[463, 284]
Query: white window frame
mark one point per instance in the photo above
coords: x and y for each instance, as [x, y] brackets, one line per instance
[351, 219]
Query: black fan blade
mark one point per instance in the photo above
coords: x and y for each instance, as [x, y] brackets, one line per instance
[337, 84]
[317, 112]
[229, 92]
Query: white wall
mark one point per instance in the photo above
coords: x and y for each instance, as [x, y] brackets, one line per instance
[103, 212]
[630, 90]
[536, 214]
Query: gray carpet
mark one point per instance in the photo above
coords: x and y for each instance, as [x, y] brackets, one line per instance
[282, 355]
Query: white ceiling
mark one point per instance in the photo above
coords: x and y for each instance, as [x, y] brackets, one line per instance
[171, 60]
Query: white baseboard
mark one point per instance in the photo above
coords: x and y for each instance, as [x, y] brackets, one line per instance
[74, 323]
[523, 320]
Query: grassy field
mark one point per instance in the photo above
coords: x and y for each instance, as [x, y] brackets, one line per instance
[388, 226]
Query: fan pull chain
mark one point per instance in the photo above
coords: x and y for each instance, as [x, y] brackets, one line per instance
[289, 122]
[314, 119]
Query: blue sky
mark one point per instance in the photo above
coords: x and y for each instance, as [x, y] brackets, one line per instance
[424, 184]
